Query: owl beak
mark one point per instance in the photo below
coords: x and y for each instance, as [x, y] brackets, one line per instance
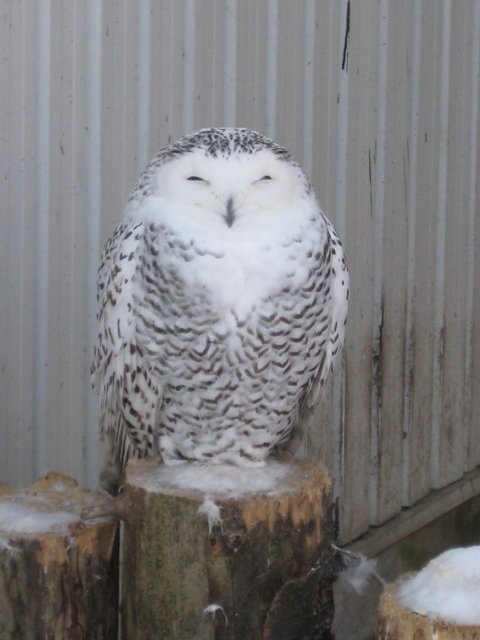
[229, 216]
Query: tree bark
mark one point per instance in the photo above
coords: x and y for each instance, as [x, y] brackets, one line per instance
[58, 572]
[261, 571]
[395, 622]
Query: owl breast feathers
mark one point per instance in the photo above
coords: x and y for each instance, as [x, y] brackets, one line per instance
[222, 302]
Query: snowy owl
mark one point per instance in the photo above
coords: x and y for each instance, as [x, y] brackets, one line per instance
[222, 301]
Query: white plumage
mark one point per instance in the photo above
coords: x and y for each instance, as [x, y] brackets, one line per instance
[222, 303]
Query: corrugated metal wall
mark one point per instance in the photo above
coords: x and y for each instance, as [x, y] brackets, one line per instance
[378, 99]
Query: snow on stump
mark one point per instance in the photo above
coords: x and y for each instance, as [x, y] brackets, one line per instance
[441, 602]
[58, 572]
[221, 552]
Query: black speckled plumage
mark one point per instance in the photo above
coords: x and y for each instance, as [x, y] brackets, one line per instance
[221, 303]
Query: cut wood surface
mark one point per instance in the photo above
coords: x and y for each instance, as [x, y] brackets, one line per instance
[58, 572]
[226, 553]
[396, 622]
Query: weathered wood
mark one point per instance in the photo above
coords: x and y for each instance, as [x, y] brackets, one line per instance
[395, 622]
[258, 561]
[420, 515]
[449, 460]
[355, 191]
[58, 572]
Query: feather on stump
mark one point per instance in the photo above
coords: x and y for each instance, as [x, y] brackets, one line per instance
[222, 552]
[58, 572]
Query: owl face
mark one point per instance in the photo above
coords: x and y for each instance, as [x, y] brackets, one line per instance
[222, 180]
[230, 190]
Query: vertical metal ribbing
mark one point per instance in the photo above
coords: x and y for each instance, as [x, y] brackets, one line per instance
[411, 230]
[92, 220]
[42, 186]
[230, 63]
[143, 86]
[340, 224]
[472, 212]
[439, 302]
[378, 255]
[309, 85]
[188, 66]
[271, 79]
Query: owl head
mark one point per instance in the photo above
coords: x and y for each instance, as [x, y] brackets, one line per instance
[224, 177]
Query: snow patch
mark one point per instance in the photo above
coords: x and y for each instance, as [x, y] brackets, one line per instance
[18, 518]
[225, 480]
[447, 588]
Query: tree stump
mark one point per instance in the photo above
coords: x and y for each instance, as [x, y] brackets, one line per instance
[58, 572]
[218, 552]
[396, 622]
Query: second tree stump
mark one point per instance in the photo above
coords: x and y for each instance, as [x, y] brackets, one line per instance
[226, 553]
[395, 622]
[58, 571]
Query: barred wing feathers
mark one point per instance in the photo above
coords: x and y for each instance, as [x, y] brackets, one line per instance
[337, 310]
[121, 374]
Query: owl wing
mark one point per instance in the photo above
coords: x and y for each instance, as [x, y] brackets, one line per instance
[339, 293]
[128, 398]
